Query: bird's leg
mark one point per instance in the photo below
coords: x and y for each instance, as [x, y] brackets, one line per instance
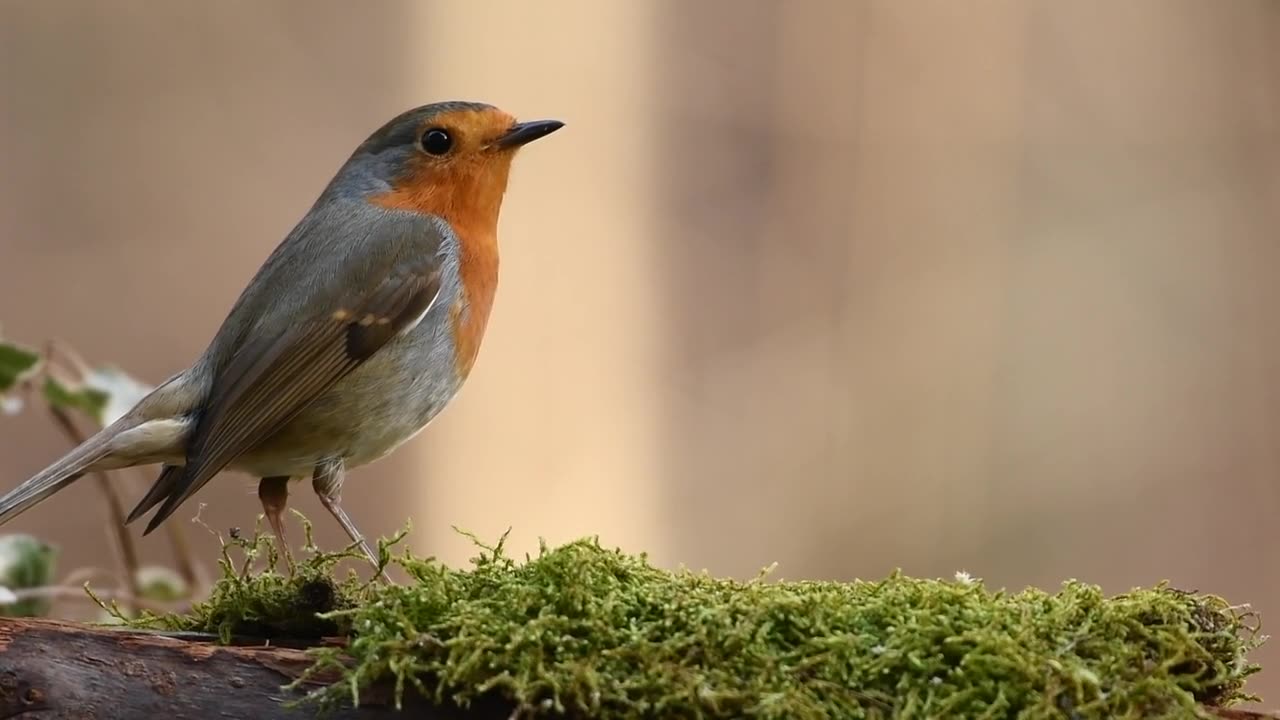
[274, 494]
[327, 482]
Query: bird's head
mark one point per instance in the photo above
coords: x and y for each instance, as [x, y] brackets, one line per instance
[450, 159]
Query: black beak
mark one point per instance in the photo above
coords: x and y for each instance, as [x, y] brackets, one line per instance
[526, 132]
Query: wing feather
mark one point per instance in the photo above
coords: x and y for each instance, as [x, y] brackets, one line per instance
[275, 376]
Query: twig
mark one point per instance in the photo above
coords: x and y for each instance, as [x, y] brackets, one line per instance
[193, 574]
[80, 576]
[124, 541]
[62, 592]
[56, 350]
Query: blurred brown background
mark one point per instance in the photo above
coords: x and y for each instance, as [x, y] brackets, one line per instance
[847, 285]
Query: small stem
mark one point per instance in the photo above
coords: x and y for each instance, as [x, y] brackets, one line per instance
[194, 575]
[191, 572]
[58, 352]
[60, 592]
[81, 575]
[124, 541]
[78, 577]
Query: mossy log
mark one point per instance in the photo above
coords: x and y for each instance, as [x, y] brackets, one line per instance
[51, 669]
[580, 631]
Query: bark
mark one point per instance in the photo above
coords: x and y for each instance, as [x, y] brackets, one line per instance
[51, 669]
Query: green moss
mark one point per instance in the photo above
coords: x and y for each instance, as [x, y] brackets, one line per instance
[257, 596]
[587, 631]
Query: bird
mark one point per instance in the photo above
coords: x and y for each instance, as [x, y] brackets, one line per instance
[356, 331]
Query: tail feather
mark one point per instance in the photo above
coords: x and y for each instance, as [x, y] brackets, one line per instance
[160, 490]
[60, 474]
[154, 430]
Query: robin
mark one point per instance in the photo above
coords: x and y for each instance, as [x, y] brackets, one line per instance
[353, 335]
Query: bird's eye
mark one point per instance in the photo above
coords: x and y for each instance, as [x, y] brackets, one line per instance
[436, 141]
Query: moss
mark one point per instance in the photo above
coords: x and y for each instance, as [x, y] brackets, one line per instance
[582, 630]
[257, 597]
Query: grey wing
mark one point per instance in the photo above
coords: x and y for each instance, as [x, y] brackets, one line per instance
[388, 286]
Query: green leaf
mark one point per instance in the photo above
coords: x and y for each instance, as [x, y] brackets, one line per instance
[83, 398]
[121, 389]
[105, 395]
[25, 562]
[16, 362]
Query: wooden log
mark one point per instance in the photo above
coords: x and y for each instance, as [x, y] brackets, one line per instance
[55, 670]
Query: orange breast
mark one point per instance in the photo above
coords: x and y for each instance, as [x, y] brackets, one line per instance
[468, 196]
[477, 235]
[478, 266]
